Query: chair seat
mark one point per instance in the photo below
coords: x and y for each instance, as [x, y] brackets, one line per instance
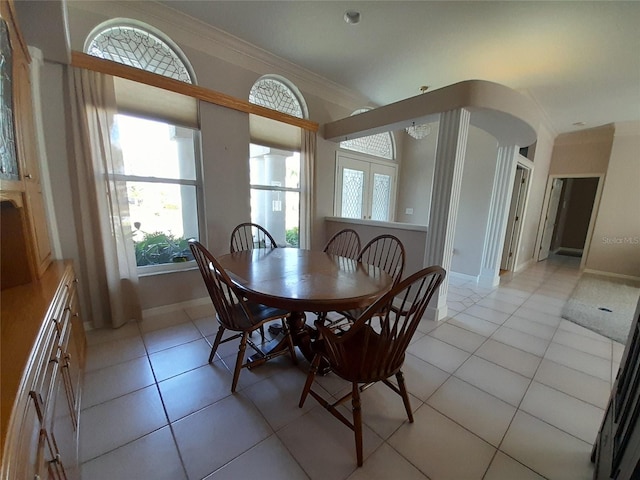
[259, 315]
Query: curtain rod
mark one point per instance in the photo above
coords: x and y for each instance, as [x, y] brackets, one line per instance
[89, 62]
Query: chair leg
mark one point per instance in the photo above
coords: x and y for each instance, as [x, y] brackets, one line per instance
[310, 377]
[405, 395]
[289, 340]
[216, 343]
[357, 421]
[239, 361]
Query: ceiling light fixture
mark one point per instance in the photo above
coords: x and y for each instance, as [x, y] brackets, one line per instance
[419, 131]
[352, 17]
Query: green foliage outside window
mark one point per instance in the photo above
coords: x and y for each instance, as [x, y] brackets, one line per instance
[293, 237]
[158, 247]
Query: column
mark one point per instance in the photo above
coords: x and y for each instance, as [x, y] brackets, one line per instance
[445, 196]
[498, 215]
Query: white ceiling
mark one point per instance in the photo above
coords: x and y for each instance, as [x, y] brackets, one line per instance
[580, 61]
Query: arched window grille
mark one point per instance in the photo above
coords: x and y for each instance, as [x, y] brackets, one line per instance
[137, 47]
[275, 94]
[379, 145]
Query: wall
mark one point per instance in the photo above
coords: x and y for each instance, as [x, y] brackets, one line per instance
[615, 246]
[475, 198]
[416, 177]
[577, 212]
[583, 152]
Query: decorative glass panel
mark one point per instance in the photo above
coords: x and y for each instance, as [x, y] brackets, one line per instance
[140, 49]
[381, 197]
[352, 193]
[379, 144]
[273, 94]
[8, 156]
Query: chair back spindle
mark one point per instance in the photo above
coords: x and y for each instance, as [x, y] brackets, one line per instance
[248, 236]
[345, 243]
[387, 253]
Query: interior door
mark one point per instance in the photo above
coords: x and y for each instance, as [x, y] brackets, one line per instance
[514, 219]
[352, 188]
[550, 219]
[382, 192]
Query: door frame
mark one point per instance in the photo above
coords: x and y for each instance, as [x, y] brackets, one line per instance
[526, 165]
[592, 220]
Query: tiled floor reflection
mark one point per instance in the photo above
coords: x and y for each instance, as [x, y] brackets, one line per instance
[504, 389]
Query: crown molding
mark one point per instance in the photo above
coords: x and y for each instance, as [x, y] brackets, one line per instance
[192, 32]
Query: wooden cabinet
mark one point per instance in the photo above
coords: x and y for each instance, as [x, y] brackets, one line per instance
[43, 351]
[22, 189]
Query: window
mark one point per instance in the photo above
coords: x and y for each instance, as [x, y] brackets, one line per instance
[158, 134]
[275, 163]
[365, 188]
[378, 145]
[275, 193]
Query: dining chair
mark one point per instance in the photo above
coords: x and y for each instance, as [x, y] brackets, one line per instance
[248, 236]
[237, 314]
[372, 351]
[345, 243]
[385, 252]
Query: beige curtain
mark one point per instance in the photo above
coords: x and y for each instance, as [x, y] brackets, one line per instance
[307, 202]
[107, 259]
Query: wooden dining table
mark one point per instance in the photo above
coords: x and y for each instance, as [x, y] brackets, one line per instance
[304, 281]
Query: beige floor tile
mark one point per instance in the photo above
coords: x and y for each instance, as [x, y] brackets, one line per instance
[200, 311]
[114, 423]
[494, 316]
[441, 448]
[112, 382]
[547, 450]
[499, 305]
[426, 325]
[585, 387]
[523, 341]
[268, 459]
[215, 435]
[323, 446]
[494, 379]
[567, 413]
[440, 354]
[385, 463]
[106, 354]
[421, 378]
[617, 352]
[458, 337]
[157, 340]
[568, 326]
[153, 456]
[503, 467]
[536, 329]
[509, 357]
[195, 389]
[538, 316]
[277, 397]
[207, 325]
[176, 360]
[601, 348]
[473, 324]
[161, 321]
[102, 335]
[477, 411]
[581, 361]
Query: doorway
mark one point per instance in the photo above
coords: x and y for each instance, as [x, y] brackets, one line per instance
[515, 220]
[571, 207]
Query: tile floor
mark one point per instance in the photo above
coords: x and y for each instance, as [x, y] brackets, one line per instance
[504, 389]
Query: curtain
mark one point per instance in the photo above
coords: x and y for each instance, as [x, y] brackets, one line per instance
[107, 258]
[307, 202]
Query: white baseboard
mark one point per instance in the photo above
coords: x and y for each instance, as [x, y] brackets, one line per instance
[611, 274]
[464, 276]
[523, 265]
[437, 313]
[149, 312]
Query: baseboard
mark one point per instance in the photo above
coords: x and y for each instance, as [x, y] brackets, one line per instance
[464, 276]
[437, 313]
[149, 312]
[523, 265]
[611, 274]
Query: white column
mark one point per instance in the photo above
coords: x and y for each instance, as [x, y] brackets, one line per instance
[498, 215]
[445, 196]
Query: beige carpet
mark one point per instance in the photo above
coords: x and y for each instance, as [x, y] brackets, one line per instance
[604, 305]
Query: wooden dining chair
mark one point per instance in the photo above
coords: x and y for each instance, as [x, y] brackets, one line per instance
[345, 243]
[372, 351]
[248, 236]
[237, 314]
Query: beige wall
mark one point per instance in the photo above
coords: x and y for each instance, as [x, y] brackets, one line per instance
[615, 246]
[584, 152]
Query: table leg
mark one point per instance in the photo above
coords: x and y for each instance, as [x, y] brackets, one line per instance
[302, 334]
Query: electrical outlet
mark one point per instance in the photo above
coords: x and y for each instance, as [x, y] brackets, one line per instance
[408, 211]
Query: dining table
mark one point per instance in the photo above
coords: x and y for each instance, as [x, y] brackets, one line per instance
[302, 281]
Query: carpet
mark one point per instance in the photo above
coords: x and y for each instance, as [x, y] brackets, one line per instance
[605, 305]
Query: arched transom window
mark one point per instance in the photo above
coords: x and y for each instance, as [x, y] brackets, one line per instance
[275, 94]
[379, 145]
[139, 48]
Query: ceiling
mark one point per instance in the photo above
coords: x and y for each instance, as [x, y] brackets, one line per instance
[580, 61]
